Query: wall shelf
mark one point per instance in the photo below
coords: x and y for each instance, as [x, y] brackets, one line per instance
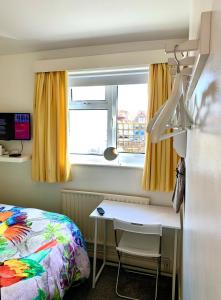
[23, 158]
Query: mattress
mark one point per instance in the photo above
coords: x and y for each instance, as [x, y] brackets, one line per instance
[41, 254]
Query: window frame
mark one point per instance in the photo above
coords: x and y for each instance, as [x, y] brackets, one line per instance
[109, 104]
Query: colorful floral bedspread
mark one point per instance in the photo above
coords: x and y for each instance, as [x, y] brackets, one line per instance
[41, 254]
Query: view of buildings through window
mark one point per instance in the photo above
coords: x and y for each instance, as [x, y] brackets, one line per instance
[90, 124]
[131, 118]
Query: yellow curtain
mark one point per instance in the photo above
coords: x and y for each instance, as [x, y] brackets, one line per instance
[160, 159]
[50, 157]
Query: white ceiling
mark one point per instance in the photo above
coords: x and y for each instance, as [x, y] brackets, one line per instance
[27, 25]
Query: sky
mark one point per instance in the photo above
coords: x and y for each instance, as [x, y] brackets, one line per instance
[132, 98]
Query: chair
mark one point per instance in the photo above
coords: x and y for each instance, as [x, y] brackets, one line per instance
[142, 240]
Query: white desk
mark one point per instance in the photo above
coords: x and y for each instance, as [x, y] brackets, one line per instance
[136, 213]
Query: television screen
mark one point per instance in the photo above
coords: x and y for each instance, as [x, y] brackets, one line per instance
[15, 126]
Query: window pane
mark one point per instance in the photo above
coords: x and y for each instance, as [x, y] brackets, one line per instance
[84, 93]
[131, 118]
[88, 131]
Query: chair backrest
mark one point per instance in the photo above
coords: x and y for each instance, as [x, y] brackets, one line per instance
[154, 229]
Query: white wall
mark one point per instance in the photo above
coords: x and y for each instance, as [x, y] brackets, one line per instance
[197, 6]
[16, 94]
[202, 237]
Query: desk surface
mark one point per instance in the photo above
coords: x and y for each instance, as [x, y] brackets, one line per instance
[137, 213]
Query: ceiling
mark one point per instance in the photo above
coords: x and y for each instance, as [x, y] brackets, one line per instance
[32, 25]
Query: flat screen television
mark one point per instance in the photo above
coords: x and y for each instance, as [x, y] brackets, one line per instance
[15, 126]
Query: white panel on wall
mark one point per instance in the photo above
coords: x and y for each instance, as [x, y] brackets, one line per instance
[202, 238]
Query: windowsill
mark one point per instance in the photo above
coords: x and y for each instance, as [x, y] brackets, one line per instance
[122, 161]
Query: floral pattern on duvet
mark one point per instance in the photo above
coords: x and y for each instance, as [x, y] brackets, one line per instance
[41, 254]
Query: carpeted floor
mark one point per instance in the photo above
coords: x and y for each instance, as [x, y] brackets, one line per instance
[133, 285]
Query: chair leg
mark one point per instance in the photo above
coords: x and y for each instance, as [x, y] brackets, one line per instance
[118, 274]
[116, 289]
[130, 298]
[157, 277]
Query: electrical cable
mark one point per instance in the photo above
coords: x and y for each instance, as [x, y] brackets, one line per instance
[22, 147]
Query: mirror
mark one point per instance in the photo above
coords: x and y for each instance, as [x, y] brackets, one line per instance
[110, 153]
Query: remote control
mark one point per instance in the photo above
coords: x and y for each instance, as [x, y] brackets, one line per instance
[100, 211]
[14, 155]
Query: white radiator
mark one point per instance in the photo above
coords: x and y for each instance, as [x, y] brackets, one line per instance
[78, 205]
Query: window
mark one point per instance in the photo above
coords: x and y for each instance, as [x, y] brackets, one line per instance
[88, 93]
[92, 128]
[108, 109]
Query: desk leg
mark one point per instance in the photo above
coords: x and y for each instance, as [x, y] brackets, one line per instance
[95, 254]
[105, 241]
[174, 265]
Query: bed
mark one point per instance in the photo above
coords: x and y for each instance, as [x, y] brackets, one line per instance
[41, 254]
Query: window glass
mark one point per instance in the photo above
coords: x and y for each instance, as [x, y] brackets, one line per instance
[88, 93]
[131, 118]
[109, 113]
[88, 131]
